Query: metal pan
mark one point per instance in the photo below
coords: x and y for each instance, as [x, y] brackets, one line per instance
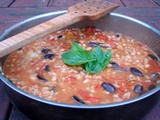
[134, 109]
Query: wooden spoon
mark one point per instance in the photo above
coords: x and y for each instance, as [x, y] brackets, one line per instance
[90, 10]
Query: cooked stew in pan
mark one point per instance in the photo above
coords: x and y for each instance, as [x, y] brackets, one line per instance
[84, 66]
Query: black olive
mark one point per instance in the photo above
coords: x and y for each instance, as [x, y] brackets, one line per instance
[151, 87]
[114, 64]
[59, 36]
[117, 35]
[138, 89]
[136, 72]
[117, 67]
[108, 87]
[78, 100]
[153, 57]
[49, 56]
[47, 68]
[154, 76]
[45, 50]
[93, 44]
[103, 46]
[120, 68]
[20, 49]
[40, 77]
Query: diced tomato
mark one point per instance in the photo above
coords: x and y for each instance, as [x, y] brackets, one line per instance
[158, 68]
[90, 29]
[86, 96]
[141, 44]
[36, 62]
[154, 66]
[153, 69]
[71, 79]
[88, 35]
[83, 93]
[42, 66]
[120, 92]
[93, 99]
[101, 36]
[77, 36]
[98, 86]
[55, 69]
[129, 84]
[153, 62]
[112, 43]
[122, 87]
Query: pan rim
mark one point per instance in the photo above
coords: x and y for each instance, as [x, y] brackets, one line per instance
[100, 106]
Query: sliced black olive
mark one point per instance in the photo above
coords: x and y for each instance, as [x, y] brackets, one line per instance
[114, 64]
[78, 100]
[108, 87]
[117, 35]
[103, 46]
[59, 36]
[138, 89]
[136, 72]
[120, 68]
[49, 56]
[20, 49]
[153, 57]
[93, 44]
[151, 87]
[117, 67]
[154, 76]
[45, 50]
[47, 68]
[40, 77]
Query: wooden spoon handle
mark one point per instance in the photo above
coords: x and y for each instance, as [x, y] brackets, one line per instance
[90, 9]
[37, 32]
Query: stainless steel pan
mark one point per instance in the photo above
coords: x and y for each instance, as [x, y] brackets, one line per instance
[40, 109]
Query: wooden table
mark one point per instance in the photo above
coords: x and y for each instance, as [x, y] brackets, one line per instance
[14, 11]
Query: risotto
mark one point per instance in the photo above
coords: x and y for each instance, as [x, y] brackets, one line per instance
[38, 68]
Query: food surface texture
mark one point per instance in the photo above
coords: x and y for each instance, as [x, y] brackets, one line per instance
[132, 68]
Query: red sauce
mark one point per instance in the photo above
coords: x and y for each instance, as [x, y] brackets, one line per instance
[39, 69]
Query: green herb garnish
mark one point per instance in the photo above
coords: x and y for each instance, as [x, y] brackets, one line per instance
[94, 62]
[102, 60]
[77, 55]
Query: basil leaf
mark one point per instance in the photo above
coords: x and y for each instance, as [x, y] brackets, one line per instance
[107, 57]
[76, 47]
[94, 61]
[77, 57]
[102, 60]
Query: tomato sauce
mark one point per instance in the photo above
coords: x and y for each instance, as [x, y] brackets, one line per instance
[38, 68]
